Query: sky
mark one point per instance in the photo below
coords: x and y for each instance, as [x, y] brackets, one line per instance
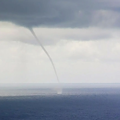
[81, 36]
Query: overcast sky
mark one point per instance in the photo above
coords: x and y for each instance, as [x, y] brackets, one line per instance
[81, 36]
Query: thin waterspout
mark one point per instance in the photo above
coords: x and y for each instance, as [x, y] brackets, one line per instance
[33, 33]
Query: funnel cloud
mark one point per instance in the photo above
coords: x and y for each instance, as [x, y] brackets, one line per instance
[33, 33]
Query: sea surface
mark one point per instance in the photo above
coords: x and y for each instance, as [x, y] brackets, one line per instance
[72, 104]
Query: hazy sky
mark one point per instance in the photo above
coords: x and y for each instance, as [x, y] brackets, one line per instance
[81, 36]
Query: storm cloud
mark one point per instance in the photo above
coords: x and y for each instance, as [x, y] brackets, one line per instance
[61, 13]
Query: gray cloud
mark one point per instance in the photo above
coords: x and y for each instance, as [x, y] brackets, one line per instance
[55, 13]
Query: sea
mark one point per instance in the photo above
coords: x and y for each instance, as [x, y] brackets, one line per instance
[72, 104]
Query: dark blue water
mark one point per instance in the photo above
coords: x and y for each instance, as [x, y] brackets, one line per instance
[61, 107]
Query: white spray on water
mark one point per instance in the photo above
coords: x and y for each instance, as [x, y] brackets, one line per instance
[59, 91]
